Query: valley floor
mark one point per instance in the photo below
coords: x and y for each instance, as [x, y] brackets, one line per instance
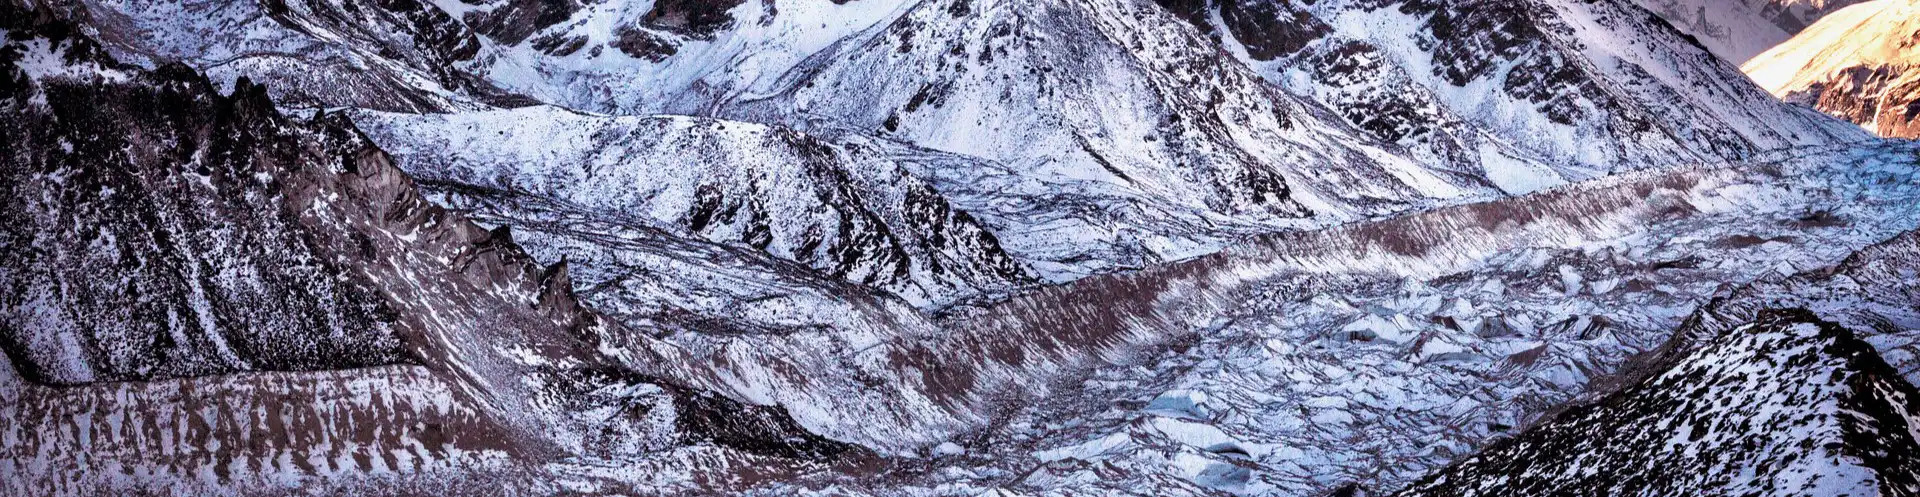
[1340, 365]
[1377, 376]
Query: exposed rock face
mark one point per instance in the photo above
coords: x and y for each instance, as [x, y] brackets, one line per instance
[1524, 93]
[1268, 29]
[1886, 99]
[1786, 405]
[511, 21]
[1860, 64]
[400, 55]
[636, 43]
[1115, 134]
[851, 211]
[161, 231]
[695, 18]
[203, 280]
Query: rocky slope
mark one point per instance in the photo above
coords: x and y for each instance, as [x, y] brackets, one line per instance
[228, 256]
[1366, 357]
[1739, 30]
[1177, 150]
[755, 338]
[398, 55]
[1529, 93]
[1102, 135]
[852, 211]
[1860, 64]
[1786, 405]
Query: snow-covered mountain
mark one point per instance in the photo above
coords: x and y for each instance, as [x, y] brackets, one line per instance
[1156, 137]
[852, 211]
[1738, 30]
[898, 247]
[1785, 405]
[388, 55]
[1149, 138]
[1531, 92]
[275, 288]
[1578, 88]
[1861, 64]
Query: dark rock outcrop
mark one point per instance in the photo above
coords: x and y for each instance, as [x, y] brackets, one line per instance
[1785, 405]
[511, 21]
[694, 18]
[160, 231]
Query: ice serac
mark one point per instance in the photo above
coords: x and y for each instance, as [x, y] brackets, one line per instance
[1739, 30]
[1873, 291]
[1859, 64]
[1785, 405]
[159, 231]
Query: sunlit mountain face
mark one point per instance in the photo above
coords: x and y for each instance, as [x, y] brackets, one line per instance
[1850, 59]
[1859, 64]
[958, 247]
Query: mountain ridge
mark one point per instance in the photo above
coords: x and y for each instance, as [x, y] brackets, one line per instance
[1858, 64]
[472, 331]
[1745, 410]
[1057, 247]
